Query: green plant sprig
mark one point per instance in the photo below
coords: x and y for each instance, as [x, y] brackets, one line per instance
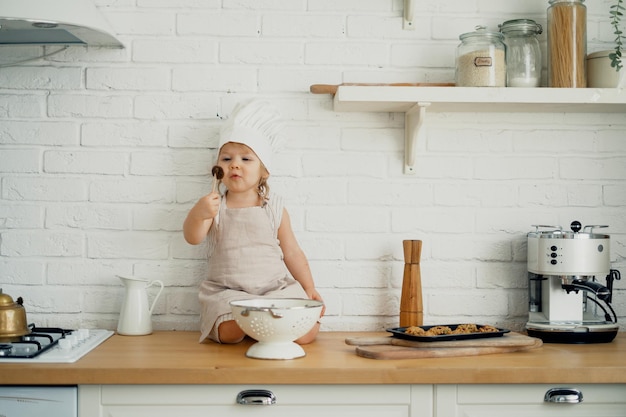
[616, 19]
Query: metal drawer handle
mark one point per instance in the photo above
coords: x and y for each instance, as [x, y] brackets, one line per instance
[256, 397]
[563, 395]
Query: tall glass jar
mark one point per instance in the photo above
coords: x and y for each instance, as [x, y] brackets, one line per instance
[480, 59]
[523, 53]
[567, 43]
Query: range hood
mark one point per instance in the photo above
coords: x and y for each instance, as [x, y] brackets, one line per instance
[54, 22]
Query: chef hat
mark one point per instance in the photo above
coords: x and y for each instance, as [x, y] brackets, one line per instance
[255, 124]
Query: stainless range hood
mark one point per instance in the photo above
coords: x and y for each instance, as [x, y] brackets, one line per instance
[54, 22]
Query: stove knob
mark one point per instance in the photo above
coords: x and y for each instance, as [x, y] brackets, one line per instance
[72, 338]
[82, 334]
[65, 344]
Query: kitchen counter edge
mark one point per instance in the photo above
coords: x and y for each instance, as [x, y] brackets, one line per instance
[173, 357]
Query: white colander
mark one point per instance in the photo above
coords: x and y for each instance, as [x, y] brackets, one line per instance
[275, 323]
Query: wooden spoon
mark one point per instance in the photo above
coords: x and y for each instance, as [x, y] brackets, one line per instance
[218, 174]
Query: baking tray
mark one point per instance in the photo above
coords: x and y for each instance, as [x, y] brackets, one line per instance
[400, 333]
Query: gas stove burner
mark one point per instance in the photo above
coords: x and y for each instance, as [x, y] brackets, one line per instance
[52, 344]
[5, 349]
[32, 344]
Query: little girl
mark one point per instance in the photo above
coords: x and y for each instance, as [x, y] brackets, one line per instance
[253, 252]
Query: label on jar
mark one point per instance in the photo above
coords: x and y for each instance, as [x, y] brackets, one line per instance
[483, 61]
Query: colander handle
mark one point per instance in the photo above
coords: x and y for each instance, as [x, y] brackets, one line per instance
[247, 310]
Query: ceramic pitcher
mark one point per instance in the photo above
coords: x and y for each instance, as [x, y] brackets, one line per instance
[136, 313]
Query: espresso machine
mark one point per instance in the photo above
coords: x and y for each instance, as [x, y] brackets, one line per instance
[567, 301]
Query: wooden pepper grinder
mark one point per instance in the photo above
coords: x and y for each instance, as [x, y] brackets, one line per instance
[411, 311]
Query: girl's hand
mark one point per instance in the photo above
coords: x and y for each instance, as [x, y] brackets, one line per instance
[314, 295]
[200, 218]
[208, 206]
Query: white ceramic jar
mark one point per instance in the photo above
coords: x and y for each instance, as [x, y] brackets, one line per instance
[600, 73]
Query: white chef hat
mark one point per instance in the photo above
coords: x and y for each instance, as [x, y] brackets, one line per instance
[257, 125]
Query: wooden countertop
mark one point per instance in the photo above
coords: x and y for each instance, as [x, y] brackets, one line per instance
[178, 358]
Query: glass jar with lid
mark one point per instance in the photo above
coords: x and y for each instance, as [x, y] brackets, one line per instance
[480, 59]
[523, 53]
[567, 43]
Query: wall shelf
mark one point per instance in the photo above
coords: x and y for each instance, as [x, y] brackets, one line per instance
[415, 102]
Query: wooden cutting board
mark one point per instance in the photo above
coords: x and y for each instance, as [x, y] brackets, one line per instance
[511, 339]
[401, 352]
[332, 88]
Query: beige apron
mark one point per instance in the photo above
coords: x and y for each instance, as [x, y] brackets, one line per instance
[245, 261]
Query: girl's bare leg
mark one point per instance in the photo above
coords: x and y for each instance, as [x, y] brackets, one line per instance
[310, 336]
[229, 332]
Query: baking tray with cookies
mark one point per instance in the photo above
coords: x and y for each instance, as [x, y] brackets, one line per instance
[445, 332]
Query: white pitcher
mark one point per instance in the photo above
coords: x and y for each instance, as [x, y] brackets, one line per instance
[136, 313]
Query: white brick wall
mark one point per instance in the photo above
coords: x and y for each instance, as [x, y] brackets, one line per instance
[102, 152]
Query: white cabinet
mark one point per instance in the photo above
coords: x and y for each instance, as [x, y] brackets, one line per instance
[598, 400]
[476, 400]
[221, 400]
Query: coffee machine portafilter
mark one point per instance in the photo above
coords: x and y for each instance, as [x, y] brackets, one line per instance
[567, 303]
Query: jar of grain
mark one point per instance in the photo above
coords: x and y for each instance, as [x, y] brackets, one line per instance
[523, 53]
[567, 43]
[480, 59]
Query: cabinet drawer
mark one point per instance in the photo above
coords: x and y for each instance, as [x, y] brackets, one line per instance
[221, 400]
[524, 400]
[255, 411]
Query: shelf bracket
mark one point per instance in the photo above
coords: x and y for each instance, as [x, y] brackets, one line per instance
[413, 120]
[408, 22]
